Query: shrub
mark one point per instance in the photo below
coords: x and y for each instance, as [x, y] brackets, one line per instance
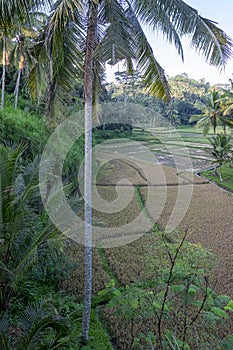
[177, 309]
[19, 127]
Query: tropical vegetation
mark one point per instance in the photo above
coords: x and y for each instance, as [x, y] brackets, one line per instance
[53, 58]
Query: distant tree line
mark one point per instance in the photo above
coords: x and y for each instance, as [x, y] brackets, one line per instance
[189, 96]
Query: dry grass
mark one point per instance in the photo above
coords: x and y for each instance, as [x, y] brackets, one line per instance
[130, 262]
[75, 282]
[210, 223]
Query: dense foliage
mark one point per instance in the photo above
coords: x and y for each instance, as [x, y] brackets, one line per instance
[44, 52]
[188, 96]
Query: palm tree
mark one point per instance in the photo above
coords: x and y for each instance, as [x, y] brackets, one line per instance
[24, 239]
[34, 326]
[170, 23]
[58, 55]
[4, 65]
[13, 14]
[212, 115]
[227, 109]
[221, 151]
[112, 31]
[20, 55]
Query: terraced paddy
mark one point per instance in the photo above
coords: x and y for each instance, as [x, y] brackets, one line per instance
[177, 199]
[145, 185]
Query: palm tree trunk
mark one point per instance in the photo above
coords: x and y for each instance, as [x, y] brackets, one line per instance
[50, 94]
[1, 207]
[220, 172]
[17, 88]
[224, 128]
[214, 125]
[215, 170]
[88, 94]
[3, 72]
[50, 100]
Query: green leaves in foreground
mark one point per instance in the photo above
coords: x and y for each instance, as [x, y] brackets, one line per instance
[26, 235]
[39, 327]
[175, 309]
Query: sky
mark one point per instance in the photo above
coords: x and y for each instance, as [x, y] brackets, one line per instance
[194, 65]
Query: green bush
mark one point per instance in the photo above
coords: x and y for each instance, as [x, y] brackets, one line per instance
[19, 127]
[179, 311]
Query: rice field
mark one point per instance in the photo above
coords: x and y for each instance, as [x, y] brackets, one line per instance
[207, 213]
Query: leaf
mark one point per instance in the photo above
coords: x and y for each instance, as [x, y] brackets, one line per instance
[206, 129]
[178, 288]
[227, 344]
[229, 306]
[197, 303]
[219, 312]
[103, 292]
[176, 343]
[193, 290]
[116, 292]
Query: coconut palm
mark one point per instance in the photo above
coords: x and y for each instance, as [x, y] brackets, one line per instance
[34, 325]
[25, 240]
[227, 109]
[20, 54]
[14, 13]
[5, 63]
[221, 151]
[83, 35]
[212, 115]
[217, 112]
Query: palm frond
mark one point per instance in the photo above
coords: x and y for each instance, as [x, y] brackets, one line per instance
[117, 43]
[228, 110]
[8, 167]
[59, 50]
[206, 37]
[36, 81]
[4, 333]
[197, 117]
[34, 248]
[227, 119]
[212, 42]
[158, 18]
[153, 74]
[34, 322]
[25, 239]
[20, 9]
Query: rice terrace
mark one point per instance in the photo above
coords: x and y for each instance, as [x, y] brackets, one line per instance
[129, 264]
[116, 175]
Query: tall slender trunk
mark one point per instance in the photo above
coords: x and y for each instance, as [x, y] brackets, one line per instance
[17, 88]
[50, 101]
[214, 124]
[20, 70]
[50, 94]
[3, 72]
[88, 93]
[215, 170]
[224, 128]
[1, 209]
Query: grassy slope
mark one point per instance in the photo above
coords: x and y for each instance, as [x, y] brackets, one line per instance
[227, 175]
